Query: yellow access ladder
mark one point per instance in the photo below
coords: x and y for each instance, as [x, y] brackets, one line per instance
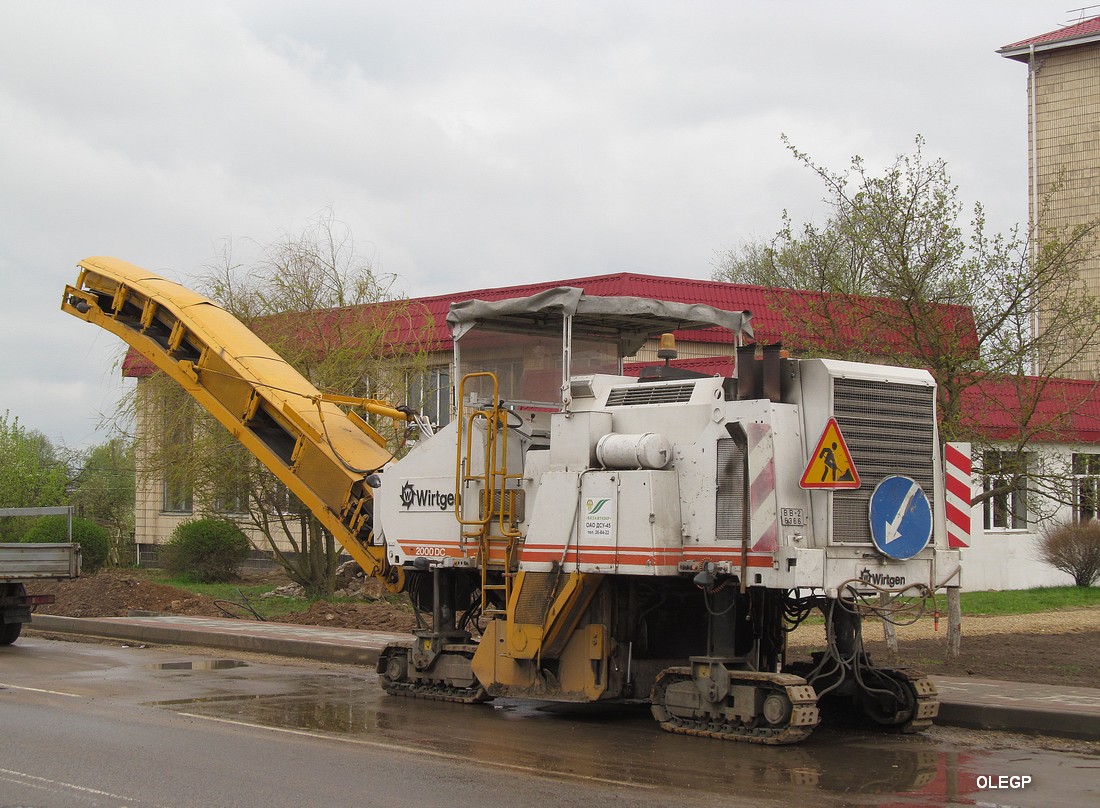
[497, 540]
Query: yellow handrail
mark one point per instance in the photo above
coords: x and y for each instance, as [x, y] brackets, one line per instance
[462, 475]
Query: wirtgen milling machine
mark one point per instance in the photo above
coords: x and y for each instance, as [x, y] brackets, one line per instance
[575, 534]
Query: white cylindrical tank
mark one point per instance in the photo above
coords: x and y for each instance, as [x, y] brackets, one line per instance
[646, 451]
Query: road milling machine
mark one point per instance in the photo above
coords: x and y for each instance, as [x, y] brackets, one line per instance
[576, 534]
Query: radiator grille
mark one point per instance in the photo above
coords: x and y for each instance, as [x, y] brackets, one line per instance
[534, 597]
[636, 394]
[731, 491]
[516, 503]
[890, 429]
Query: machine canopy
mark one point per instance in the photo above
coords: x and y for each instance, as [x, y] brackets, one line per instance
[561, 333]
[630, 320]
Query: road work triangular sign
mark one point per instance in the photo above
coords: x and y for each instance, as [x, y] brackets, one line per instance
[830, 467]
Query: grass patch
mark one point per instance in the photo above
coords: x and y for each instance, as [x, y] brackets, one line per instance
[1015, 601]
[242, 592]
[1027, 601]
[247, 594]
[221, 591]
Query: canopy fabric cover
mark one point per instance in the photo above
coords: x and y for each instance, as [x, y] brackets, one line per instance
[631, 320]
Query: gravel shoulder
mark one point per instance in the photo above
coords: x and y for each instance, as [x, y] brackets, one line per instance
[1057, 647]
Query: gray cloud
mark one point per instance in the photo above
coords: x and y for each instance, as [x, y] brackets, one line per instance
[466, 144]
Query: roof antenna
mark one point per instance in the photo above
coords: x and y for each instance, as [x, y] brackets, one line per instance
[1080, 14]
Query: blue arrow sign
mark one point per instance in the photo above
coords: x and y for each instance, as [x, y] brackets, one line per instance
[901, 517]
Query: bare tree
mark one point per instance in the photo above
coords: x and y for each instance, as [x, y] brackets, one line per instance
[327, 311]
[899, 253]
[1073, 549]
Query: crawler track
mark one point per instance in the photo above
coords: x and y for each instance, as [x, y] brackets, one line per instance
[924, 704]
[393, 675]
[795, 724]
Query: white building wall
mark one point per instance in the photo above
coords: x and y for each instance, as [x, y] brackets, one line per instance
[1010, 559]
[1007, 560]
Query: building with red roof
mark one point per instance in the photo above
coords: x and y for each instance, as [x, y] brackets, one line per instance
[1047, 424]
[1059, 418]
[865, 326]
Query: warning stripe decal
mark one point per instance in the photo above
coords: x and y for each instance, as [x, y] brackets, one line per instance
[957, 483]
[764, 519]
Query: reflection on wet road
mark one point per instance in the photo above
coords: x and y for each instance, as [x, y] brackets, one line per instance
[622, 745]
[78, 709]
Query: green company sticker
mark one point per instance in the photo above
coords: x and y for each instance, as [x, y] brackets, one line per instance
[598, 520]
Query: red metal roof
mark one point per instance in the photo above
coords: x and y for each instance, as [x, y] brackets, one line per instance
[707, 365]
[792, 317]
[1065, 410]
[1064, 37]
[1062, 410]
[803, 321]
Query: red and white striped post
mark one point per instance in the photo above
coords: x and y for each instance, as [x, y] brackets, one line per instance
[957, 482]
[959, 486]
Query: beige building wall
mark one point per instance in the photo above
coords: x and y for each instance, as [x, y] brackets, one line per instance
[1064, 153]
[153, 522]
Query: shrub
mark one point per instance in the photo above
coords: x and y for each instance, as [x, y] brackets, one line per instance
[205, 550]
[94, 540]
[1073, 548]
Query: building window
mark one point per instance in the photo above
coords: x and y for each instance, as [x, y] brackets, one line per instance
[178, 494]
[430, 392]
[1086, 486]
[177, 444]
[232, 497]
[1004, 474]
[273, 499]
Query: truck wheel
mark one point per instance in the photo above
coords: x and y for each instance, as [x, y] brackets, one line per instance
[9, 632]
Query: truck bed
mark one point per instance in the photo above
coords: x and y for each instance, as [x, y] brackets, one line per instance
[35, 562]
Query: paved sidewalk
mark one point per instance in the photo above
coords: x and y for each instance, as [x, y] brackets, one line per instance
[349, 646]
[1072, 712]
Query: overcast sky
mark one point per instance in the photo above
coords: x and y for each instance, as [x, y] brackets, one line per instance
[464, 143]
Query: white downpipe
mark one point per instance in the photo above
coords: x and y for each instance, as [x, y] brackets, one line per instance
[1033, 224]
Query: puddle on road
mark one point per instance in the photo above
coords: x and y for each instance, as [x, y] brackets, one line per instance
[200, 665]
[613, 742]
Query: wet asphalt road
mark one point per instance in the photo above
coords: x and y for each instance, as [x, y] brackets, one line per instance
[100, 725]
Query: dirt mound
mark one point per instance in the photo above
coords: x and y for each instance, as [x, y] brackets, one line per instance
[115, 593]
[378, 615]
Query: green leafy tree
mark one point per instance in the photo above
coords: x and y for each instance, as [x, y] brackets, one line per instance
[966, 300]
[103, 490]
[93, 538]
[31, 475]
